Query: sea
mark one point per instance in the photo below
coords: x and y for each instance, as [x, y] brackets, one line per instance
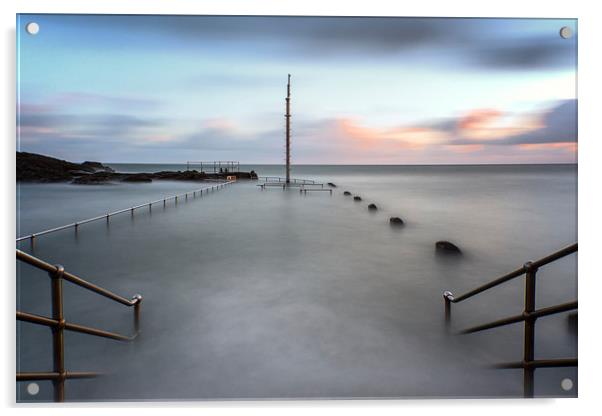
[278, 294]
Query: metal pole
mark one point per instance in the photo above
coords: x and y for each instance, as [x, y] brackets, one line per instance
[447, 308]
[137, 312]
[58, 341]
[288, 130]
[529, 337]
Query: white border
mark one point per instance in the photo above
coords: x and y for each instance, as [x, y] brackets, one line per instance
[589, 160]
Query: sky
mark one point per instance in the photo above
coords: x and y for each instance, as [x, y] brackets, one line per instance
[168, 89]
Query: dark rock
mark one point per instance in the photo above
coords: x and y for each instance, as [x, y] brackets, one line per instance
[97, 167]
[347, 193]
[138, 177]
[38, 168]
[445, 247]
[357, 198]
[32, 167]
[332, 185]
[188, 175]
[98, 178]
[372, 207]
[396, 221]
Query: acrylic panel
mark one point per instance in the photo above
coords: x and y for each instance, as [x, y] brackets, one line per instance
[286, 207]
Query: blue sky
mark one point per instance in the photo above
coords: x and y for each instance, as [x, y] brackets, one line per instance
[365, 90]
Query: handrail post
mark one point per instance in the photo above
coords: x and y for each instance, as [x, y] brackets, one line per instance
[447, 298]
[58, 341]
[529, 336]
[137, 297]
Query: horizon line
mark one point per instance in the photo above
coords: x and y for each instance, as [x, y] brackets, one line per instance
[355, 164]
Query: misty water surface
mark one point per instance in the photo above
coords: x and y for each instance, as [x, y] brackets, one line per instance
[273, 294]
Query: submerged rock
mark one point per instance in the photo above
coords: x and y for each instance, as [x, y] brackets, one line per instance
[138, 177]
[347, 193]
[445, 247]
[357, 198]
[372, 207]
[98, 178]
[396, 221]
[332, 185]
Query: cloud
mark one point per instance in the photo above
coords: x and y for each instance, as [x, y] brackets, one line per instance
[113, 101]
[529, 53]
[499, 44]
[490, 126]
[99, 126]
[478, 119]
[70, 99]
[475, 137]
[559, 124]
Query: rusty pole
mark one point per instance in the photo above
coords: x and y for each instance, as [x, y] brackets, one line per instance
[529, 336]
[58, 341]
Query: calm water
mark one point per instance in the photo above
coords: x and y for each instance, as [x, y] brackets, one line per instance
[270, 294]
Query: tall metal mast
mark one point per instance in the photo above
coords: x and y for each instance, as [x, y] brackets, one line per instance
[288, 130]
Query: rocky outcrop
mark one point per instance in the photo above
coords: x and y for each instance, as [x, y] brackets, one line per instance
[97, 166]
[396, 221]
[32, 167]
[447, 248]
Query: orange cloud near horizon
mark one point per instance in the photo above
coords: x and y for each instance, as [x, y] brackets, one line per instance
[568, 146]
[405, 137]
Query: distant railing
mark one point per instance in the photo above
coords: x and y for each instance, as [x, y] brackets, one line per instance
[529, 316]
[222, 166]
[130, 209]
[58, 324]
[281, 179]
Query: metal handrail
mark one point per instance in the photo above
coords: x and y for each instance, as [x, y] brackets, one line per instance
[130, 209]
[282, 179]
[528, 316]
[42, 265]
[516, 273]
[42, 320]
[58, 324]
[551, 310]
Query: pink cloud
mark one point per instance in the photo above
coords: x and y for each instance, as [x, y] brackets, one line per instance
[570, 147]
